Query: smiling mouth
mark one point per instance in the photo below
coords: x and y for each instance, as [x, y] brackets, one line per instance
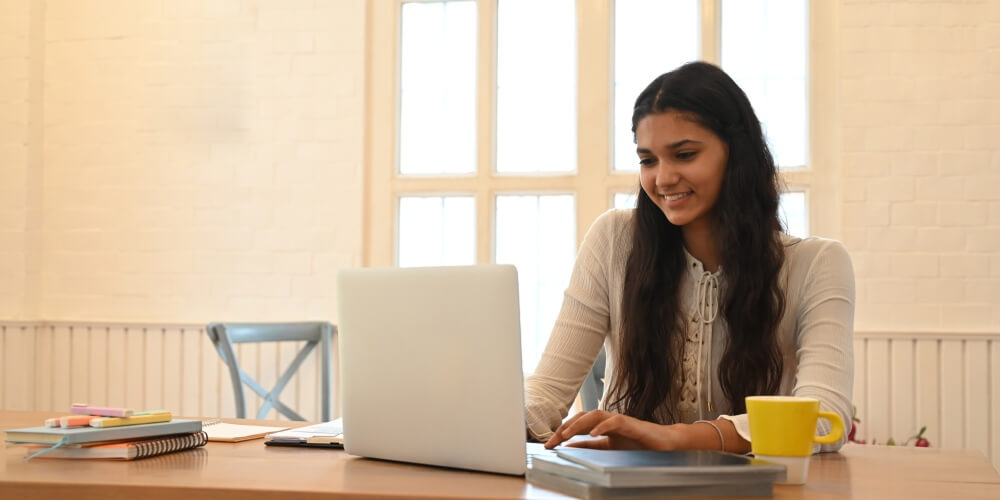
[677, 196]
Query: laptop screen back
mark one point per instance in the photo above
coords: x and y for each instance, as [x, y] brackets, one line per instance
[431, 366]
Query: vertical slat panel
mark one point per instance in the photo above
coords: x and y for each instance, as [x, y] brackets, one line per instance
[135, 369]
[290, 396]
[191, 372]
[117, 363]
[861, 387]
[61, 366]
[308, 401]
[18, 359]
[902, 408]
[173, 359]
[212, 388]
[98, 354]
[153, 368]
[80, 365]
[952, 395]
[877, 373]
[43, 368]
[994, 368]
[977, 393]
[928, 388]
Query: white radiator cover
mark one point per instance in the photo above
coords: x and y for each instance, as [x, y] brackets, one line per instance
[948, 381]
[49, 366]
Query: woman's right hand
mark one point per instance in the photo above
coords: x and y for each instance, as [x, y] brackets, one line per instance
[619, 432]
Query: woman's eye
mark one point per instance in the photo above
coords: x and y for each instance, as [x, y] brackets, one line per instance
[685, 155]
[646, 161]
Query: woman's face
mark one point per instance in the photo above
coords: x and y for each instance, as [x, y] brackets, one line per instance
[681, 166]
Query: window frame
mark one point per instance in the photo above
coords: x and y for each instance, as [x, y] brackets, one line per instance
[595, 182]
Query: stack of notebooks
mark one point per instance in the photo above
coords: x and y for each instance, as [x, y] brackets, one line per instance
[587, 473]
[109, 433]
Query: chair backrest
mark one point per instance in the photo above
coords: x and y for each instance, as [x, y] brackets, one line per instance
[225, 335]
[592, 389]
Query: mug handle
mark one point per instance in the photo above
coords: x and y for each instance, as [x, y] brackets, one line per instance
[836, 432]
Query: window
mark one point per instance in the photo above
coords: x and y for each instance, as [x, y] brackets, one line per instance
[511, 123]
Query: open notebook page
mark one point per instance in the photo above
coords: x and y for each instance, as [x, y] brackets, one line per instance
[224, 431]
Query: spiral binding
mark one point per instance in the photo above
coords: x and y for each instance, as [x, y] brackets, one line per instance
[171, 444]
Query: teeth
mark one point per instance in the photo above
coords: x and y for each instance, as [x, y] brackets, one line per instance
[673, 197]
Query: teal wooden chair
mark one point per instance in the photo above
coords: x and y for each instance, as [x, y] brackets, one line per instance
[593, 386]
[225, 335]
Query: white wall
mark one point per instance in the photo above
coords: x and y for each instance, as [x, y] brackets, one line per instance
[920, 128]
[202, 160]
[16, 107]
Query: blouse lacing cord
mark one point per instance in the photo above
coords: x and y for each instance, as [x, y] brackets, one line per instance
[706, 308]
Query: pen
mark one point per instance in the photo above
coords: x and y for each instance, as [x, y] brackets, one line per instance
[82, 409]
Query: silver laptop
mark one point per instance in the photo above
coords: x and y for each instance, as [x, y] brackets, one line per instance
[431, 366]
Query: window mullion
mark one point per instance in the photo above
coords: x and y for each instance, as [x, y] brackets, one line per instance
[486, 62]
[710, 32]
[595, 84]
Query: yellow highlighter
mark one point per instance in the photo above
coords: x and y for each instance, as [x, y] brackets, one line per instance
[151, 418]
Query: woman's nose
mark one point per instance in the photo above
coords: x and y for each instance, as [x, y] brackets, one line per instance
[666, 174]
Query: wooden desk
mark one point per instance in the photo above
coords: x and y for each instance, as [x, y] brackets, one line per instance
[250, 471]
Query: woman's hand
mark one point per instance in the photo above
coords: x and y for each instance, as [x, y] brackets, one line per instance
[619, 431]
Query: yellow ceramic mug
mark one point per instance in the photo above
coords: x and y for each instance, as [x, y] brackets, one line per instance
[783, 429]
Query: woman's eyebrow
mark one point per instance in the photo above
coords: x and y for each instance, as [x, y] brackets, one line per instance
[672, 145]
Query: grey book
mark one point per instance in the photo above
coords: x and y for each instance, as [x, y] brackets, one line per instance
[585, 490]
[647, 468]
[78, 435]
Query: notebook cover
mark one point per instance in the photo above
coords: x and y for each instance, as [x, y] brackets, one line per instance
[681, 462]
[585, 490]
[130, 450]
[77, 435]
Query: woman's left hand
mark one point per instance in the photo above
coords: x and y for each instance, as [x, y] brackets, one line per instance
[619, 431]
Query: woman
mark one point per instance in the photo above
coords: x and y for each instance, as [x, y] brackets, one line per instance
[698, 296]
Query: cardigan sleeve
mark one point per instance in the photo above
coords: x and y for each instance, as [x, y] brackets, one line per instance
[577, 336]
[824, 340]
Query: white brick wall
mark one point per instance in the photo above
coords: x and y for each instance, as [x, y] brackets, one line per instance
[15, 108]
[202, 159]
[921, 160]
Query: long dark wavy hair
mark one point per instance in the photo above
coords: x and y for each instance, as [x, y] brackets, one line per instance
[748, 234]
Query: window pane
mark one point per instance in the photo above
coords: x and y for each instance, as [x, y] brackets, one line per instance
[538, 235]
[437, 231]
[536, 86]
[764, 48]
[794, 213]
[646, 46]
[625, 200]
[437, 133]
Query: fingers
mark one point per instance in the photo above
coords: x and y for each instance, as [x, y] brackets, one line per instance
[620, 425]
[595, 444]
[577, 424]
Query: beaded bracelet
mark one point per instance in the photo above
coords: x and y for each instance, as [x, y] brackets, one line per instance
[716, 427]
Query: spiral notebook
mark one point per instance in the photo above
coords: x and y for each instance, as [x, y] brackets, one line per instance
[129, 450]
[218, 430]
